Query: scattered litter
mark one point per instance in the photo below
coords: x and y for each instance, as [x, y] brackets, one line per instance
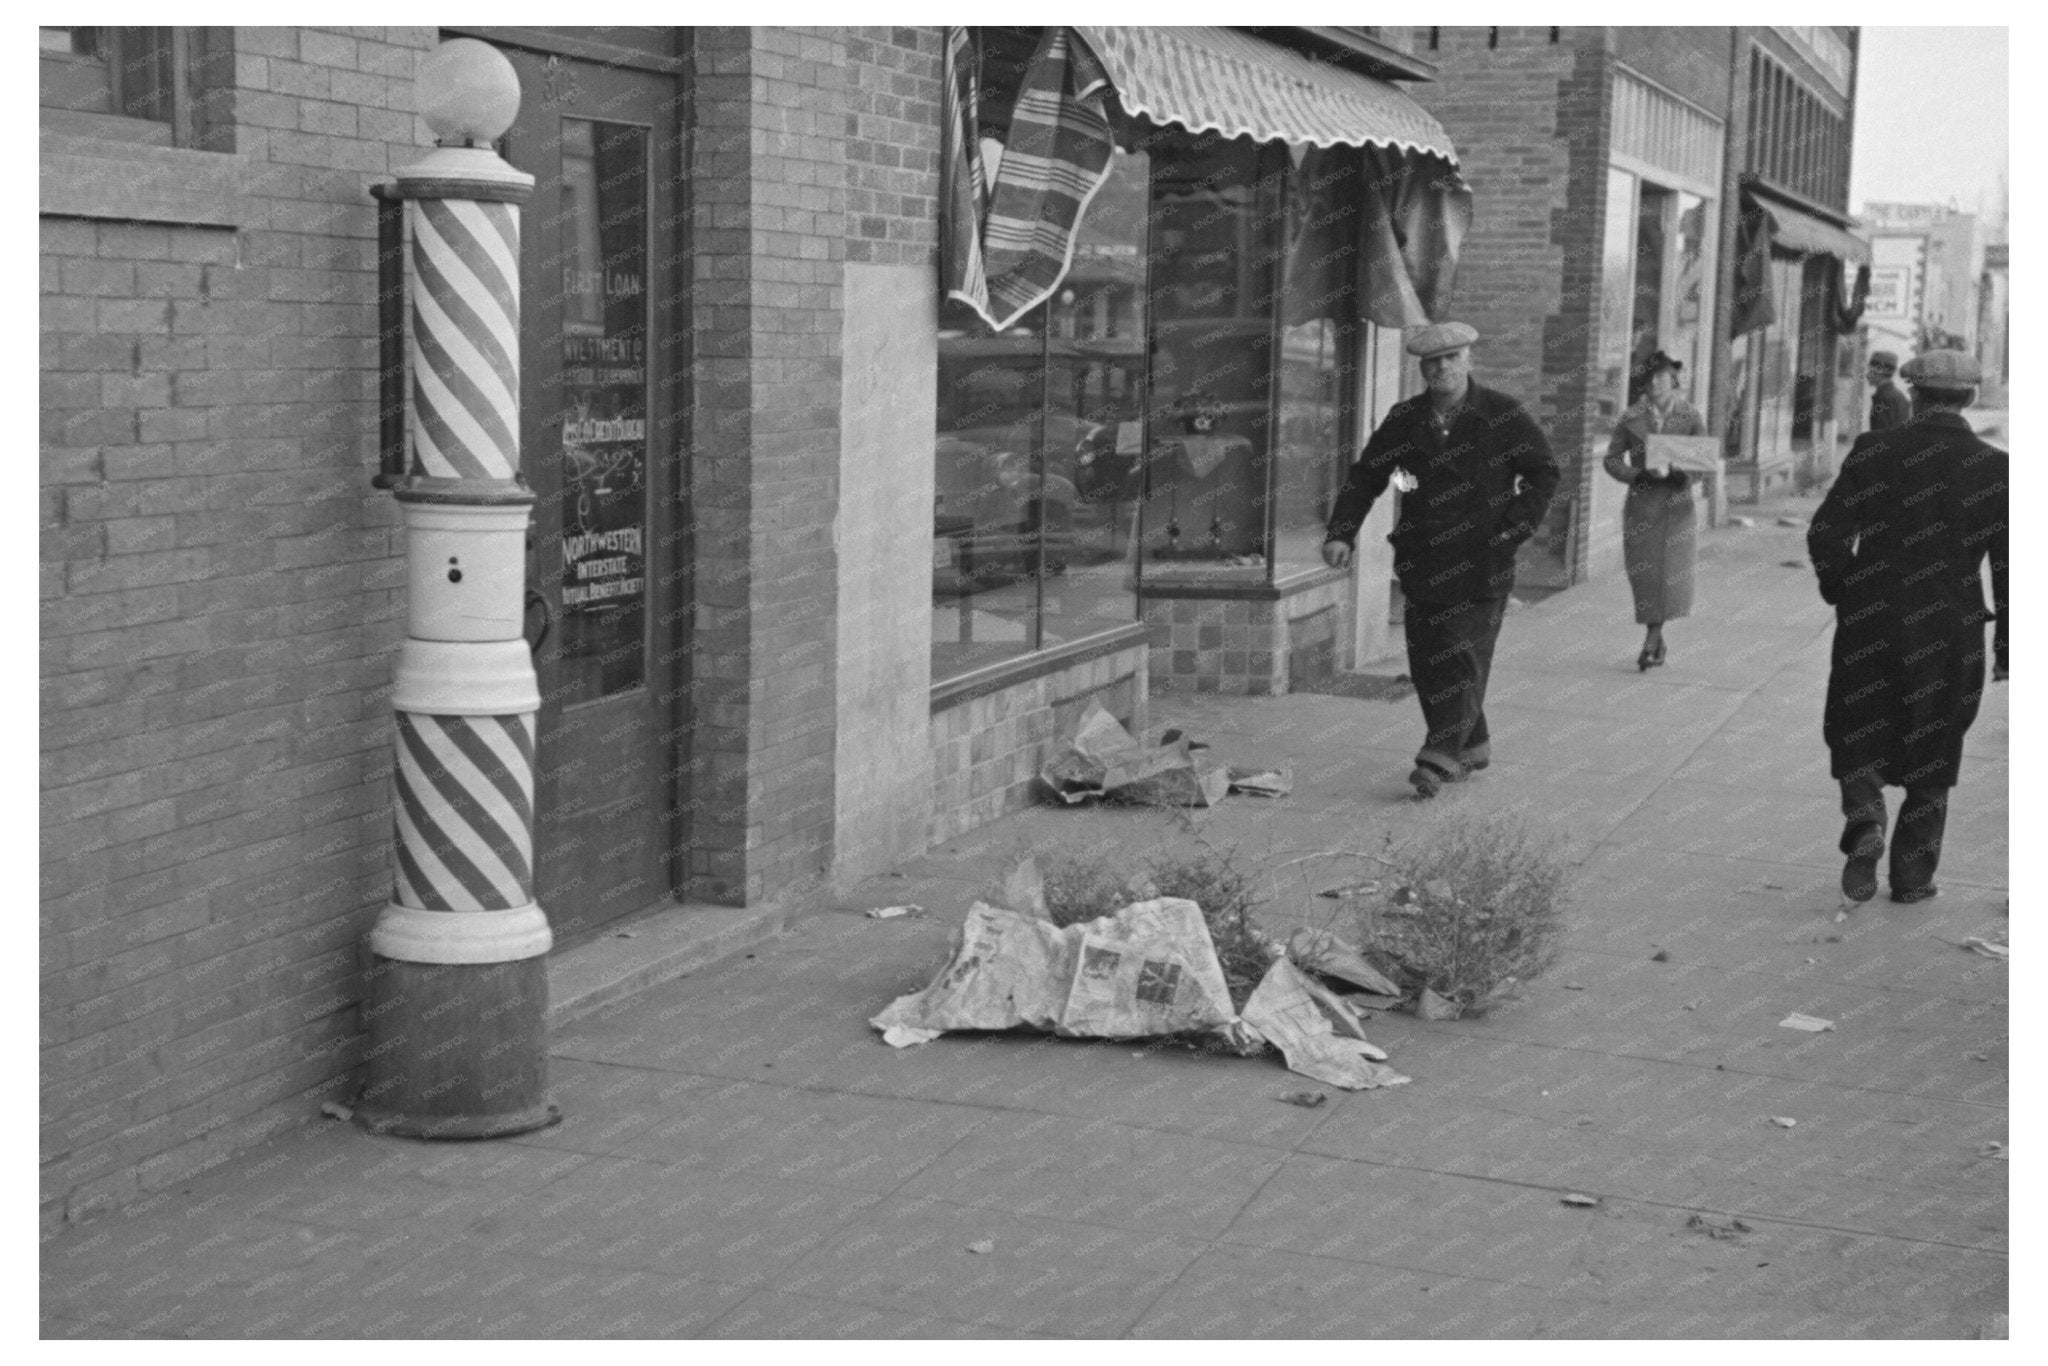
[1984, 948]
[1793, 564]
[334, 1109]
[1742, 521]
[982, 1248]
[1696, 1003]
[1775, 886]
[1811, 961]
[1307, 1100]
[1173, 733]
[1724, 1232]
[1661, 956]
[625, 934]
[1784, 1121]
[1261, 782]
[891, 912]
[1980, 1057]
[1841, 915]
[1996, 1150]
[1574, 986]
[1324, 954]
[1791, 521]
[1294, 1013]
[1831, 939]
[903, 1036]
[1430, 1006]
[1581, 1201]
[1024, 889]
[1810, 1024]
[1349, 889]
[1102, 759]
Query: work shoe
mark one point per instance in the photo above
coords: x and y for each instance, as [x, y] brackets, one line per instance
[1906, 896]
[1859, 874]
[1427, 779]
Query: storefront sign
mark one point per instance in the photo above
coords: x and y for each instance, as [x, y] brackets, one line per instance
[604, 425]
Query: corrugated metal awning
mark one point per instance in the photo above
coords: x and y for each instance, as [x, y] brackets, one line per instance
[1216, 79]
[1795, 232]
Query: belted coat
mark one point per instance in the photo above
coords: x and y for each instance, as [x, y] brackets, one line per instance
[1479, 492]
[1898, 545]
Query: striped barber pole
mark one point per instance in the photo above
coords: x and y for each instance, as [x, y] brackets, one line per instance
[465, 338]
[465, 812]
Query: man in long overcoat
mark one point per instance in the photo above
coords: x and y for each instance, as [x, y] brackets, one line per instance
[1889, 406]
[1476, 476]
[1897, 545]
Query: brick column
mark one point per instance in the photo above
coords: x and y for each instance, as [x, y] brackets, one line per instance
[768, 204]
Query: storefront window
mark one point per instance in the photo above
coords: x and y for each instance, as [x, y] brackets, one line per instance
[1217, 218]
[1040, 451]
[1180, 408]
[1318, 343]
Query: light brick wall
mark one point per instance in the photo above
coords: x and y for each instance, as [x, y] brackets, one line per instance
[221, 597]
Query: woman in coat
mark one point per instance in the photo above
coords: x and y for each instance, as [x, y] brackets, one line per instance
[1657, 535]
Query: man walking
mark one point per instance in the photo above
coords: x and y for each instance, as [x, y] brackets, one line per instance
[1896, 545]
[1889, 406]
[1477, 475]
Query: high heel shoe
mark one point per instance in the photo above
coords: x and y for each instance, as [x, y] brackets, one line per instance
[1650, 658]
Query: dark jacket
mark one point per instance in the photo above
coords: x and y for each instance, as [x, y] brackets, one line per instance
[1889, 407]
[1480, 493]
[1897, 546]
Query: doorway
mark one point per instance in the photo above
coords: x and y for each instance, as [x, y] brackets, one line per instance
[602, 365]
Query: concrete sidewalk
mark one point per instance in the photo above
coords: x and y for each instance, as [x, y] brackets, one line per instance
[743, 1158]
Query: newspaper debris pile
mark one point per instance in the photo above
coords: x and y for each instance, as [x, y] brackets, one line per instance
[1102, 760]
[1146, 971]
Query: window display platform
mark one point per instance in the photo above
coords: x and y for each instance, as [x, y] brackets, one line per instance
[1255, 637]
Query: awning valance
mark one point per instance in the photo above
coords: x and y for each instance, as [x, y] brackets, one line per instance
[1216, 79]
[1794, 232]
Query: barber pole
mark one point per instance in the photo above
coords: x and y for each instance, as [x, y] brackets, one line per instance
[457, 1001]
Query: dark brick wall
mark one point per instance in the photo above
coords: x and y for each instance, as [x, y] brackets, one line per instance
[892, 144]
[769, 209]
[1529, 117]
[221, 599]
[1688, 61]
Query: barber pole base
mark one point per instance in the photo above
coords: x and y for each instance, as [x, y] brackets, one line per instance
[457, 1050]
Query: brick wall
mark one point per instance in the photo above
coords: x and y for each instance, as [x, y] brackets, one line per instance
[220, 594]
[768, 204]
[1530, 118]
[986, 751]
[892, 145]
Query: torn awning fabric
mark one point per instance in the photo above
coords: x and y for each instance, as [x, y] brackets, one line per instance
[1056, 158]
[1418, 208]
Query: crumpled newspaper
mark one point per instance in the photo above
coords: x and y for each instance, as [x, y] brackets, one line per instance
[1103, 759]
[1148, 970]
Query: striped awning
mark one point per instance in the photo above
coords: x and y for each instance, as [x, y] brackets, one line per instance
[1216, 79]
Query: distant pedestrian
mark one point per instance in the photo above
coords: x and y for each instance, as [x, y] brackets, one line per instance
[1889, 406]
[1897, 546]
[1476, 476]
[1658, 539]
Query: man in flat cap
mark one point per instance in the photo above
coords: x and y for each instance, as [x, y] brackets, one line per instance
[1476, 475]
[1897, 545]
[1889, 406]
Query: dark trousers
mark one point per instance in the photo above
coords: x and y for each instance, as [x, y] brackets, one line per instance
[1450, 655]
[1916, 840]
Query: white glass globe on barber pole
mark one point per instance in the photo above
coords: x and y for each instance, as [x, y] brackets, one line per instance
[468, 93]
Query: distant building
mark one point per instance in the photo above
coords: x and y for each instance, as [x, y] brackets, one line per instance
[1928, 265]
